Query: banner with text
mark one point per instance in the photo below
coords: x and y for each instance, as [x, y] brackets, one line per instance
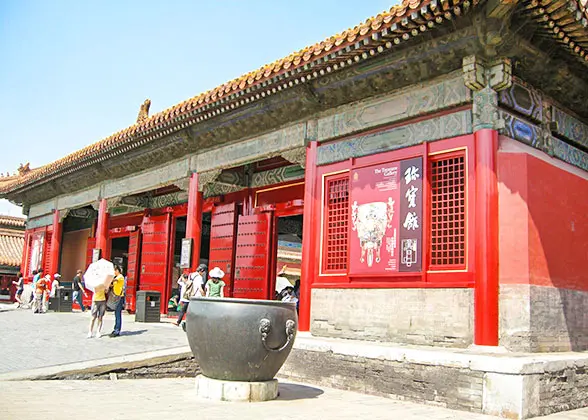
[386, 215]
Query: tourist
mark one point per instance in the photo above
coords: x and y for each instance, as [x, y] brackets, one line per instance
[118, 291]
[78, 289]
[19, 289]
[289, 295]
[55, 285]
[215, 287]
[39, 300]
[186, 292]
[172, 304]
[98, 310]
[36, 276]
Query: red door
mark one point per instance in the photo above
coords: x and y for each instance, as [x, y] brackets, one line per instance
[132, 268]
[47, 255]
[222, 237]
[90, 245]
[154, 255]
[253, 256]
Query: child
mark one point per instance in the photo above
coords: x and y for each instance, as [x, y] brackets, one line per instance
[215, 287]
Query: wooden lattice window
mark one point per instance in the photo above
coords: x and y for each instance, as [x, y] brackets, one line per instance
[448, 212]
[336, 224]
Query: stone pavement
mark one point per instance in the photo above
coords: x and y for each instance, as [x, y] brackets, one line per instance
[29, 341]
[175, 398]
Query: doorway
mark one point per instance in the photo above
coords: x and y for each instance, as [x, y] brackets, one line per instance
[119, 253]
[176, 271]
[288, 255]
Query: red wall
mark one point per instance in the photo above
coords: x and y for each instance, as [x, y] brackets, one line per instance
[543, 222]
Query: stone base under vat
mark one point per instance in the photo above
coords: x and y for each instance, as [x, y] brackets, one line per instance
[214, 389]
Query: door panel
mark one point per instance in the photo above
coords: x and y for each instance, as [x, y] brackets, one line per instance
[47, 255]
[222, 237]
[132, 269]
[155, 255]
[252, 257]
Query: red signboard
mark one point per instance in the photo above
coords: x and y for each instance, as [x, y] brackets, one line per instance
[386, 215]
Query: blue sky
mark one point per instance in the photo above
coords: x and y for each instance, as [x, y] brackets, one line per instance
[73, 72]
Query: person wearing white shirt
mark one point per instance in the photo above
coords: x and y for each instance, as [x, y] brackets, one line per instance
[54, 285]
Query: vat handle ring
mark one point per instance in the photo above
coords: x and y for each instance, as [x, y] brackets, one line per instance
[265, 326]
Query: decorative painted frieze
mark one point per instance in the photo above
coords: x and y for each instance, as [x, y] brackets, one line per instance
[146, 180]
[205, 178]
[446, 126]
[79, 199]
[36, 222]
[42, 208]
[521, 130]
[297, 156]
[168, 200]
[276, 176]
[569, 153]
[539, 138]
[522, 99]
[420, 100]
[258, 148]
[570, 127]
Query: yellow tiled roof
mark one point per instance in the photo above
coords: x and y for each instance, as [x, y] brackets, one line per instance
[11, 241]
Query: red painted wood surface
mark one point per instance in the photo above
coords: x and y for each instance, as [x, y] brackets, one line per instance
[310, 235]
[87, 300]
[46, 264]
[55, 248]
[543, 218]
[132, 271]
[486, 247]
[102, 228]
[222, 238]
[155, 255]
[252, 257]
[194, 220]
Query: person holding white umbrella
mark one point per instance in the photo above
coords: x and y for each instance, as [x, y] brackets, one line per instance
[98, 278]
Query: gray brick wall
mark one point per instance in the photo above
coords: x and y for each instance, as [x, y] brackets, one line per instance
[455, 388]
[543, 319]
[563, 390]
[439, 317]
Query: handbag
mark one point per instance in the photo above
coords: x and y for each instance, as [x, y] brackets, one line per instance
[112, 300]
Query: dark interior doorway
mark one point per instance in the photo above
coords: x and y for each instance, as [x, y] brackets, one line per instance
[289, 254]
[120, 253]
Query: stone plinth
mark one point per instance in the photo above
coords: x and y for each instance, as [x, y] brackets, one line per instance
[214, 389]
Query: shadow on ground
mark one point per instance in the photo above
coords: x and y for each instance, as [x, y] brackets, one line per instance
[127, 333]
[291, 392]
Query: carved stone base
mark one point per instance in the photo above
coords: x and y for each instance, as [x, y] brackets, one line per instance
[217, 390]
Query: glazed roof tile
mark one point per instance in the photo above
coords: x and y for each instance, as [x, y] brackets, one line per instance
[400, 23]
[11, 241]
[11, 221]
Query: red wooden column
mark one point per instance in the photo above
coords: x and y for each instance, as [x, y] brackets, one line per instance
[486, 207]
[309, 237]
[194, 219]
[55, 244]
[24, 263]
[102, 228]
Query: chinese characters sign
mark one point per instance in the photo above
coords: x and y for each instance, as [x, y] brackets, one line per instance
[386, 217]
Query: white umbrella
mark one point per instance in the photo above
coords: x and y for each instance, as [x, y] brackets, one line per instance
[282, 283]
[99, 274]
